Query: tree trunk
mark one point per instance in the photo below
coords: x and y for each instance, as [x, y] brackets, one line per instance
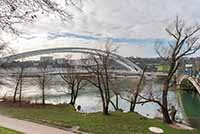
[72, 96]
[105, 110]
[107, 101]
[76, 93]
[131, 107]
[43, 97]
[43, 92]
[165, 112]
[15, 92]
[134, 104]
[117, 101]
[20, 91]
[105, 106]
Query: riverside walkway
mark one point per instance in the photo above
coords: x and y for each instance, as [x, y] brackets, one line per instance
[27, 127]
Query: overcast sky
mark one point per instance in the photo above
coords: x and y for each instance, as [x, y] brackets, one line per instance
[133, 25]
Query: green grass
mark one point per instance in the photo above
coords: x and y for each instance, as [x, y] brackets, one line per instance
[115, 123]
[8, 131]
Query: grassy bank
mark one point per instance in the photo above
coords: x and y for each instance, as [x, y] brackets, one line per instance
[8, 131]
[115, 123]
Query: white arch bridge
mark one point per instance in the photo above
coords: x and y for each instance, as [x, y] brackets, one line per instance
[119, 59]
[193, 80]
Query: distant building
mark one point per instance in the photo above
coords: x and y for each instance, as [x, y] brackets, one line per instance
[188, 66]
[189, 69]
[162, 68]
[46, 59]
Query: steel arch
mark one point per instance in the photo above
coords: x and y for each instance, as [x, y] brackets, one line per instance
[121, 60]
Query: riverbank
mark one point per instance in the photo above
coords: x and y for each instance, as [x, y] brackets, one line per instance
[65, 117]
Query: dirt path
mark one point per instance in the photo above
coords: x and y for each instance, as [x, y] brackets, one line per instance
[29, 127]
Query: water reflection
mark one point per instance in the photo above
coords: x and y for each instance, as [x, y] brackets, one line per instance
[191, 105]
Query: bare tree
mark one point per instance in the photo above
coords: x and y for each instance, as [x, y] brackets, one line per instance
[185, 43]
[18, 76]
[99, 66]
[18, 11]
[116, 90]
[73, 79]
[137, 91]
[134, 92]
[44, 78]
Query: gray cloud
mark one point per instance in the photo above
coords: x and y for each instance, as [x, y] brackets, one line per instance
[136, 19]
